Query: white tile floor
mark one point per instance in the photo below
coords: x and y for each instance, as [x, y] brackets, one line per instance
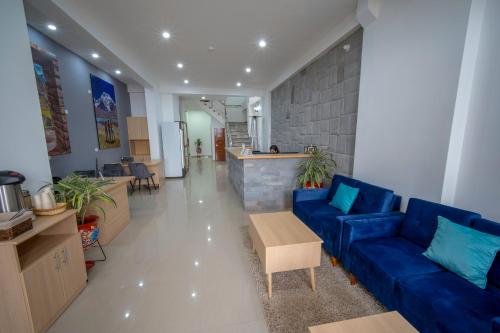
[180, 265]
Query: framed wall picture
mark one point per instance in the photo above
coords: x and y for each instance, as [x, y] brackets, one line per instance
[50, 95]
[310, 149]
[106, 113]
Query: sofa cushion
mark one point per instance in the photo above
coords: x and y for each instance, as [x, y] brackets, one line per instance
[493, 228]
[466, 252]
[344, 198]
[372, 199]
[378, 263]
[420, 221]
[446, 303]
[337, 179]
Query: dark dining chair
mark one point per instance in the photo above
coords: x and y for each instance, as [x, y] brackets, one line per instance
[113, 170]
[140, 172]
[85, 173]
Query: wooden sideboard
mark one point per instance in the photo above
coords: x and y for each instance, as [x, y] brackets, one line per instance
[43, 271]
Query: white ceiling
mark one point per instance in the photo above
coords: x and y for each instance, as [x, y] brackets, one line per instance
[129, 32]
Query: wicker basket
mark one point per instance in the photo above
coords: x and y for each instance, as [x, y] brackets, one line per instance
[17, 228]
[60, 208]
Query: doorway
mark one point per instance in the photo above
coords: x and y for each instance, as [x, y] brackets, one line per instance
[220, 144]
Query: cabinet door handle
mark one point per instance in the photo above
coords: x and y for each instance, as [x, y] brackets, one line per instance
[65, 255]
[57, 261]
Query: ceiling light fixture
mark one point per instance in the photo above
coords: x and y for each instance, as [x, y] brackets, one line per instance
[95, 55]
[262, 43]
[211, 48]
[51, 27]
[248, 70]
[180, 65]
[238, 84]
[203, 97]
[118, 72]
[165, 34]
[186, 81]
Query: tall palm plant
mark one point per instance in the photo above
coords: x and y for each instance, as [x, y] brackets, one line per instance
[82, 194]
[314, 170]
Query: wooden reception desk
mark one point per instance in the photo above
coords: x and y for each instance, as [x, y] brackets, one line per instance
[117, 218]
[154, 166]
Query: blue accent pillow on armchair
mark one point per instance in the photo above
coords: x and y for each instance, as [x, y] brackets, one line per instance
[344, 198]
[464, 251]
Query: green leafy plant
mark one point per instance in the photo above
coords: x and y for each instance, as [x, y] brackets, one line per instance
[314, 170]
[82, 194]
[198, 142]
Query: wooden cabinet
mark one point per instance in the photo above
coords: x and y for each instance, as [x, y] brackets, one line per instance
[44, 289]
[137, 128]
[138, 138]
[73, 273]
[43, 270]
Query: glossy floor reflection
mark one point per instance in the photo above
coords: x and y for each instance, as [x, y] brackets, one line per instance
[180, 265]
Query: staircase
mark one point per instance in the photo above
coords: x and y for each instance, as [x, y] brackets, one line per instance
[239, 133]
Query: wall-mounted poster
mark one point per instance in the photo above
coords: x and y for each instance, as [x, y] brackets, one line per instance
[50, 95]
[106, 113]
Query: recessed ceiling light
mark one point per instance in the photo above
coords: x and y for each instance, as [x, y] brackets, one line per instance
[203, 97]
[238, 84]
[193, 294]
[51, 27]
[126, 315]
[248, 70]
[118, 72]
[165, 34]
[141, 284]
[209, 227]
[180, 65]
[211, 48]
[262, 43]
[95, 55]
[186, 81]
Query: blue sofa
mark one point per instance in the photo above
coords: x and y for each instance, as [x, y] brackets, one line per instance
[312, 207]
[385, 254]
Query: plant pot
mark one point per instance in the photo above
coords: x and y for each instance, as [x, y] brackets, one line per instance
[316, 185]
[198, 150]
[89, 232]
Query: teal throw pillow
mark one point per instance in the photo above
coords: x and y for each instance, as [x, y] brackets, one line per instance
[344, 198]
[464, 251]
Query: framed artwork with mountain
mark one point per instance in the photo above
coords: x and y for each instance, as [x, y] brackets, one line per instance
[106, 113]
[48, 82]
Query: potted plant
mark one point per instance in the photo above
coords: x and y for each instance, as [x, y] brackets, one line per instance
[312, 171]
[198, 144]
[83, 194]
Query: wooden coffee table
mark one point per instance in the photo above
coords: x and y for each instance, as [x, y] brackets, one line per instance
[284, 243]
[389, 322]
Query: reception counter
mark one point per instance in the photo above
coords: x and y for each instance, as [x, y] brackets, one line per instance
[264, 182]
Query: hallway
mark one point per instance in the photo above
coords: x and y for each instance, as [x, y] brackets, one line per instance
[179, 267]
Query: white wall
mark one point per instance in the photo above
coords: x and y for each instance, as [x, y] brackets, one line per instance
[236, 114]
[137, 104]
[409, 77]
[22, 138]
[199, 126]
[153, 109]
[478, 186]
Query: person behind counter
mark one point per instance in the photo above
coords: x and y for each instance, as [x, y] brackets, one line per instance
[274, 149]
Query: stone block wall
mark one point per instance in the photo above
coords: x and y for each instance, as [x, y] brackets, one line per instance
[319, 104]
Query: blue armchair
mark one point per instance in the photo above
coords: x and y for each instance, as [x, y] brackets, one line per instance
[386, 256]
[312, 207]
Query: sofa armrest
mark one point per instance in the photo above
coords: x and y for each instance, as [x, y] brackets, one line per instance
[380, 225]
[310, 194]
[495, 327]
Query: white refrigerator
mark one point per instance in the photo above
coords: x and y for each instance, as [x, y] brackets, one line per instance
[175, 148]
